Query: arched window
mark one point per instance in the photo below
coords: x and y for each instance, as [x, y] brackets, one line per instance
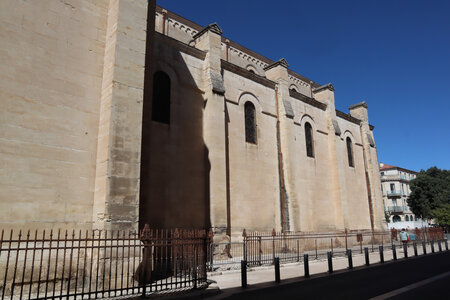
[351, 163]
[250, 123]
[309, 140]
[161, 98]
[407, 218]
[396, 219]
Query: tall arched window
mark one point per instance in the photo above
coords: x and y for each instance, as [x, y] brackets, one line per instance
[309, 140]
[407, 218]
[250, 123]
[351, 163]
[161, 98]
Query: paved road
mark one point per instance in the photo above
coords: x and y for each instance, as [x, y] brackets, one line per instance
[387, 281]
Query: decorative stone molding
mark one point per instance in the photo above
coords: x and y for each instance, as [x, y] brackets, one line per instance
[324, 87]
[363, 104]
[288, 109]
[280, 62]
[181, 46]
[247, 74]
[308, 100]
[337, 129]
[211, 27]
[178, 25]
[298, 81]
[347, 117]
[247, 57]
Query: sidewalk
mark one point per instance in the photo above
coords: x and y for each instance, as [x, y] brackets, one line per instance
[232, 279]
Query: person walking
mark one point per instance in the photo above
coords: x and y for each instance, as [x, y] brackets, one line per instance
[404, 236]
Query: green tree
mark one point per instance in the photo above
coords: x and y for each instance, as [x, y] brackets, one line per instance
[441, 215]
[430, 191]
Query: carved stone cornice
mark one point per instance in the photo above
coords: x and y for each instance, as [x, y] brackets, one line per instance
[211, 27]
[282, 62]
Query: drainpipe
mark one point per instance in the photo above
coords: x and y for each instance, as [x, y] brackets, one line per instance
[369, 193]
[227, 43]
[280, 168]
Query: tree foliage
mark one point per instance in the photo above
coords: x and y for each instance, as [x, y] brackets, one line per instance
[441, 215]
[430, 192]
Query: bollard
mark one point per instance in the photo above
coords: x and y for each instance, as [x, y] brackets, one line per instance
[405, 250]
[394, 252]
[439, 246]
[432, 246]
[350, 258]
[276, 262]
[366, 254]
[381, 254]
[244, 273]
[415, 249]
[446, 244]
[424, 247]
[306, 265]
[330, 262]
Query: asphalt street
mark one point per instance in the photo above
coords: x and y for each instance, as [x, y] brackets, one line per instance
[420, 277]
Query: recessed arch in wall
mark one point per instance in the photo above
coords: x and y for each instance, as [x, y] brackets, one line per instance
[251, 68]
[293, 87]
[248, 96]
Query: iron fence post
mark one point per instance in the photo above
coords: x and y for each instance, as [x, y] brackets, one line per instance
[245, 251]
[330, 262]
[244, 273]
[276, 262]
[432, 246]
[405, 250]
[439, 246]
[350, 258]
[446, 244]
[381, 254]
[366, 255]
[211, 255]
[394, 252]
[424, 247]
[415, 249]
[306, 264]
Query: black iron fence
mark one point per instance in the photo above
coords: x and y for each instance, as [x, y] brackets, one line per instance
[97, 264]
[260, 248]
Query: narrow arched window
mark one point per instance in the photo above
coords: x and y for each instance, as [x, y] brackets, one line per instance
[250, 123]
[309, 140]
[161, 98]
[351, 163]
[407, 218]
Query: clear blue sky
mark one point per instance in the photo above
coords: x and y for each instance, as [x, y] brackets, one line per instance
[395, 55]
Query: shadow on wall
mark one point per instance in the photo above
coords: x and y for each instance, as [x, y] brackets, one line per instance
[174, 186]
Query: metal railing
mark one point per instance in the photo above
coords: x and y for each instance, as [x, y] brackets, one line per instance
[398, 208]
[99, 264]
[394, 193]
[262, 247]
[227, 255]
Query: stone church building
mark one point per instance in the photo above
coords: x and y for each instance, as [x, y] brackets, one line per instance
[117, 113]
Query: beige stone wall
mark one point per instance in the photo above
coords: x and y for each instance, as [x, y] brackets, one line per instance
[51, 62]
[253, 168]
[72, 78]
[76, 89]
[174, 178]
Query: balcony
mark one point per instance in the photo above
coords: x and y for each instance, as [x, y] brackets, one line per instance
[393, 178]
[393, 193]
[398, 209]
